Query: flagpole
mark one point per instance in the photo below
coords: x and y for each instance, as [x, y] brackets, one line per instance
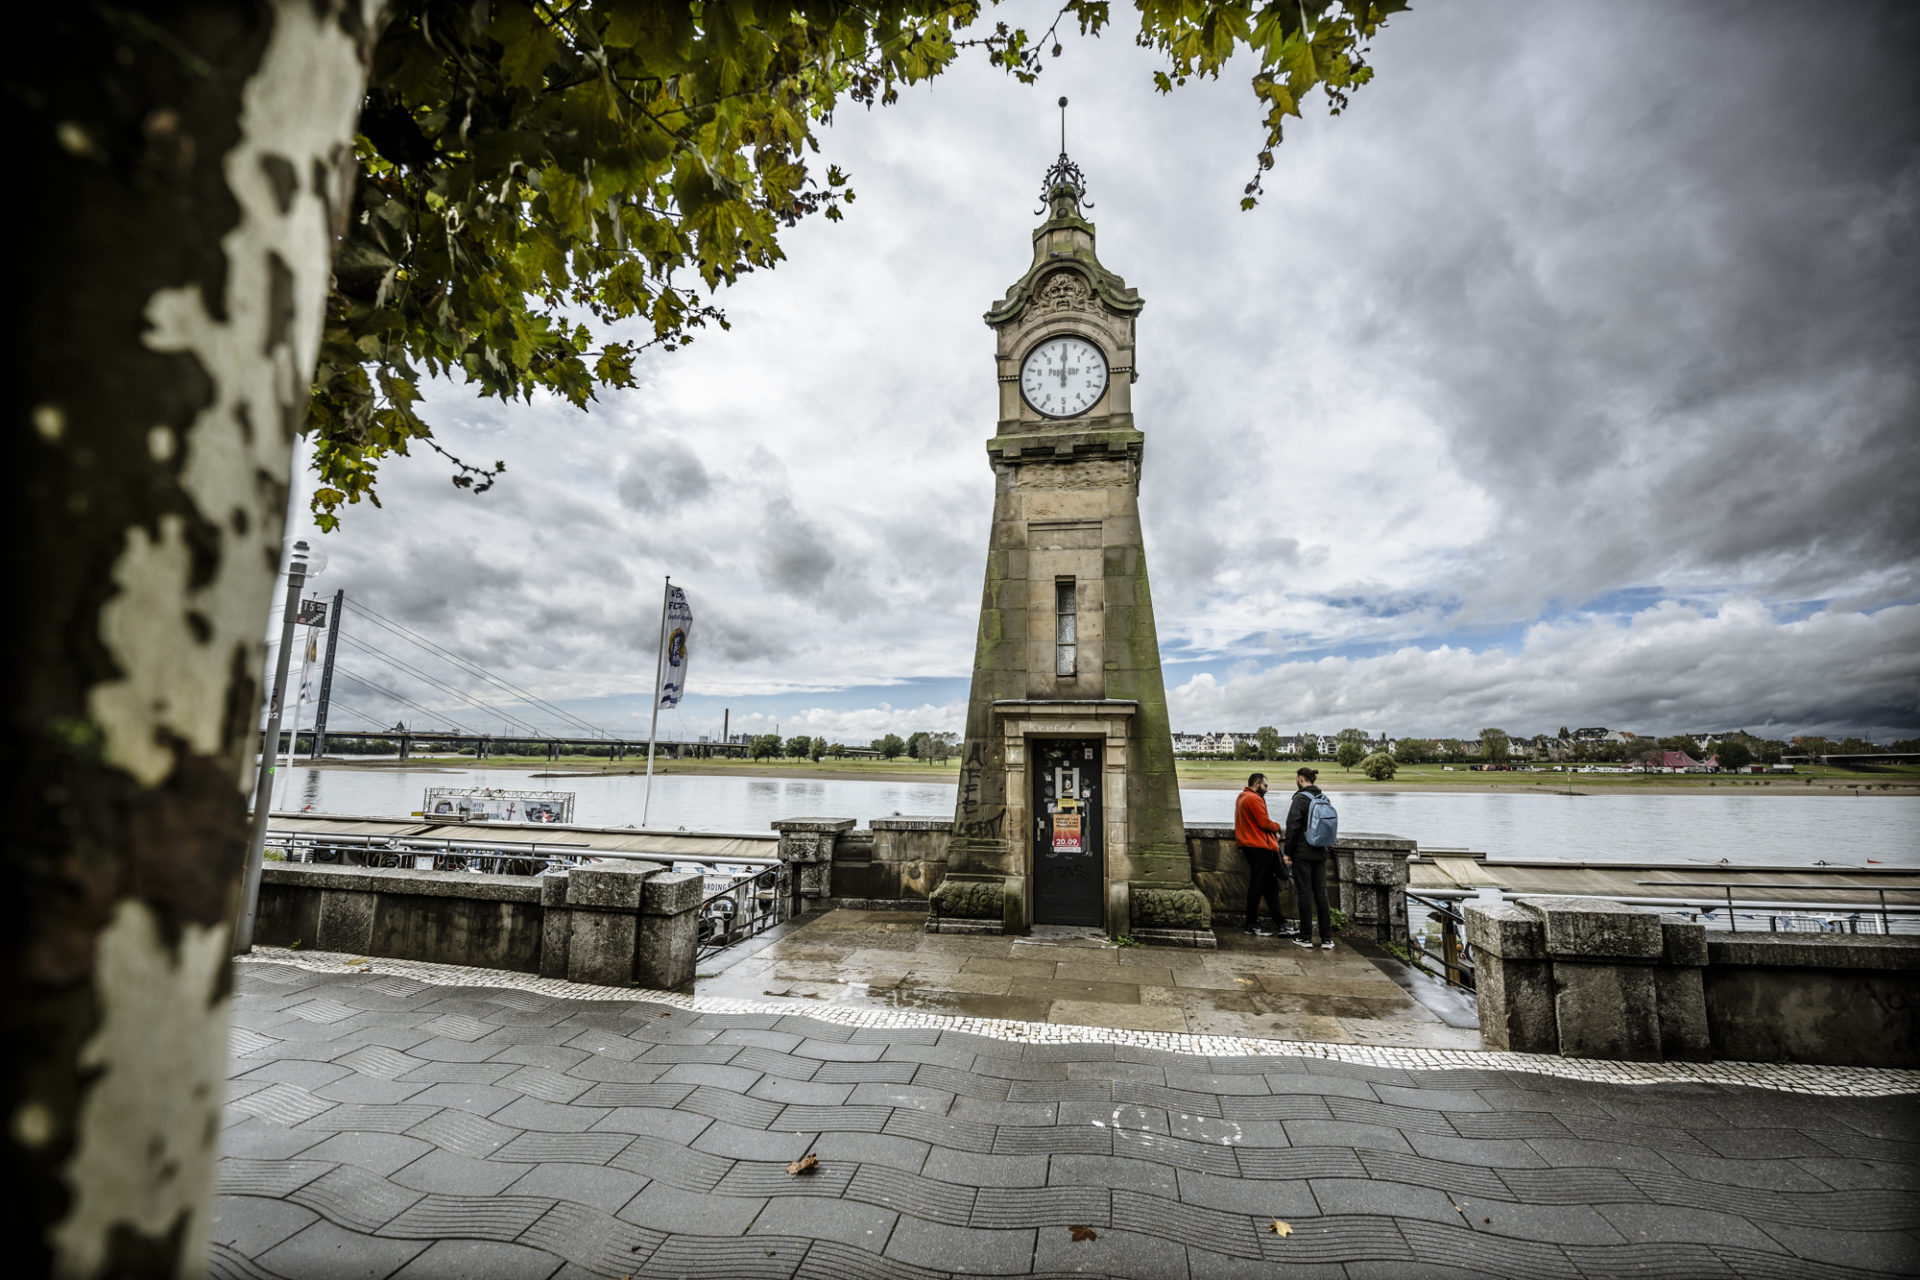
[299, 701]
[659, 665]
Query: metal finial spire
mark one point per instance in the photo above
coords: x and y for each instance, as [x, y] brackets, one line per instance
[1065, 188]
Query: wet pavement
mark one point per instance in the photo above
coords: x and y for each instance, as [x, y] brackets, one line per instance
[387, 1119]
[1257, 987]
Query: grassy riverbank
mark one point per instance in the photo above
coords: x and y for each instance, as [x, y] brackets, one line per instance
[1220, 775]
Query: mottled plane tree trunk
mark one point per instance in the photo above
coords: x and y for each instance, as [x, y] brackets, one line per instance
[181, 167]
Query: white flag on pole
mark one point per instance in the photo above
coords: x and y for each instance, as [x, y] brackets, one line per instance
[679, 631]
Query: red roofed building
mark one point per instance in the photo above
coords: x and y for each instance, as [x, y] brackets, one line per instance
[1681, 762]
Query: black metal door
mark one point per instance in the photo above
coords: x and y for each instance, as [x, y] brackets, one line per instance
[1068, 883]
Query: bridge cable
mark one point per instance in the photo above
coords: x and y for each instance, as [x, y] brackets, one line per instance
[381, 619]
[361, 680]
[392, 661]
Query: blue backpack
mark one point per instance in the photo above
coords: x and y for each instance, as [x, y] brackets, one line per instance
[1323, 824]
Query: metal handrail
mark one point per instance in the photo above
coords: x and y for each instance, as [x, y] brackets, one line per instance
[743, 909]
[1456, 960]
[1884, 910]
[1733, 921]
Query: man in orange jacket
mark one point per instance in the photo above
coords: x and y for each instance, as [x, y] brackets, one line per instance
[1257, 834]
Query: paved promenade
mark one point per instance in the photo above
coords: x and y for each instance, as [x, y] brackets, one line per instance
[1251, 987]
[390, 1119]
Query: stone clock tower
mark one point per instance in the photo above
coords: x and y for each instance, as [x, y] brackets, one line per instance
[1069, 811]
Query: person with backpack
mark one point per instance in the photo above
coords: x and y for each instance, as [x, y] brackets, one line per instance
[1312, 828]
[1255, 831]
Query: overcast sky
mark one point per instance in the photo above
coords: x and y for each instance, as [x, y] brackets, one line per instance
[1568, 378]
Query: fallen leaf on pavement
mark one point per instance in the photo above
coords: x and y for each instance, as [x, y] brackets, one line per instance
[805, 1164]
[1083, 1233]
[1280, 1228]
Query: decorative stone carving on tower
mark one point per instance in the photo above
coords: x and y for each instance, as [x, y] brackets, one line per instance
[1069, 810]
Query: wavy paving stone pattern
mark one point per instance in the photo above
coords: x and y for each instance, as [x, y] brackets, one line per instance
[380, 1125]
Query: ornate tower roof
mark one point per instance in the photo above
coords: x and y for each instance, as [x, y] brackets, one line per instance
[1064, 190]
[1066, 238]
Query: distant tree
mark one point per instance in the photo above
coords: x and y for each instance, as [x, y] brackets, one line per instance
[765, 746]
[890, 746]
[1735, 754]
[837, 750]
[1352, 735]
[1857, 747]
[943, 745]
[799, 747]
[1453, 748]
[1414, 751]
[1245, 749]
[1679, 742]
[1309, 747]
[1817, 746]
[1348, 754]
[819, 749]
[1269, 742]
[917, 745]
[1770, 750]
[1906, 746]
[1564, 733]
[1495, 746]
[1379, 766]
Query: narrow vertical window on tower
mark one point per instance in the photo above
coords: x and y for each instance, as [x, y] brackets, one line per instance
[1066, 630]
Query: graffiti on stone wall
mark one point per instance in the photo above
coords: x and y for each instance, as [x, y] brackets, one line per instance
[970, 780]
[978, 823]
[982, 828]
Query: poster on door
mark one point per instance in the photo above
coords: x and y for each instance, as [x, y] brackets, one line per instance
[1066, 833]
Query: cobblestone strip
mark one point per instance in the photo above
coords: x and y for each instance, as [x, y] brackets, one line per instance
[1788, 1078]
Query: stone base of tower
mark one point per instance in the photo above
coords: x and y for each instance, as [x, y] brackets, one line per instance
[974, 903]
[1157, 915]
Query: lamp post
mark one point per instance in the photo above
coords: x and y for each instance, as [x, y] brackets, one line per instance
[303, 561]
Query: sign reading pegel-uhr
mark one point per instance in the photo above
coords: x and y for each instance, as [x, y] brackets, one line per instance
[678, 630]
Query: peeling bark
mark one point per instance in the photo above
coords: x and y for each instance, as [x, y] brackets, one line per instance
[186, 160]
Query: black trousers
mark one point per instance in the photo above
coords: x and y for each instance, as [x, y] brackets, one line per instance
[1310, 885]
[1263, 880]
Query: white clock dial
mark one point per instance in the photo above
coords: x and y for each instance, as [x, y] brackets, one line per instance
[1063, 376]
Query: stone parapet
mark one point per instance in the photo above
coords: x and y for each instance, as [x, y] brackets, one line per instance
[608, 923]
[806, 857]
[895, 865]
[1369, 883]
[1828, 999]
[1366, 878]
[1594, 978]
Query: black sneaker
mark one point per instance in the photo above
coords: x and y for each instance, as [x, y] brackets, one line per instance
[1257, 931]
[1304, 942]
[1286, 931]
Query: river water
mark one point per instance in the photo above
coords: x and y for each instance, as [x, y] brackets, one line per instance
[1770, 829]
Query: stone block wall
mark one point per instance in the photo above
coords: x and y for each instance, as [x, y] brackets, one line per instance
[611, 923]
[1592, 978]
[894, 865]
[1828, 998]
[1366, 879]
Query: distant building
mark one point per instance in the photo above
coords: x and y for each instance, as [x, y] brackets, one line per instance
[1680, 762]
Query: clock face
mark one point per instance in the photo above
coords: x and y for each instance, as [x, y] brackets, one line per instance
[1063, 376]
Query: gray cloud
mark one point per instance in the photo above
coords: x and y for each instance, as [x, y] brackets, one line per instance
[1578, 303]
[660, 474]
